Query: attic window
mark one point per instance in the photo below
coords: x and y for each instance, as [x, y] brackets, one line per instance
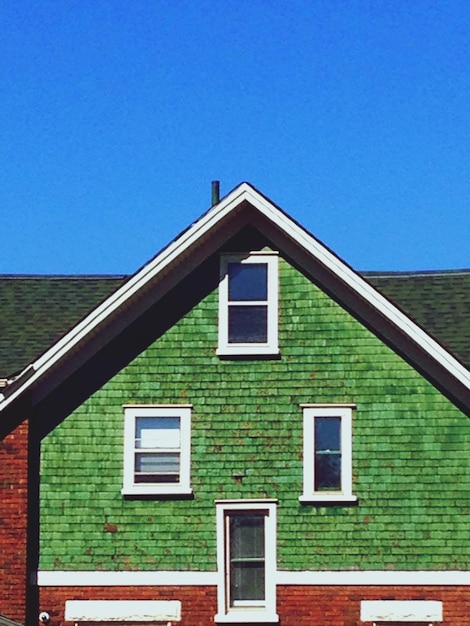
[157, 442]
[248, 304]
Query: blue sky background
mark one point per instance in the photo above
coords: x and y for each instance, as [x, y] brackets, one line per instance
[352, 115]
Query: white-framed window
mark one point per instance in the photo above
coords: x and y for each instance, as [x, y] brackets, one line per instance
[327, 453]
[246, 561]
[157, 449]
[248, 304]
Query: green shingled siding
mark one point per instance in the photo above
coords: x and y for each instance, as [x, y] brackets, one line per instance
[410, 452]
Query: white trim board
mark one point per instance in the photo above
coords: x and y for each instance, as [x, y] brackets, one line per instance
[307, 578]
[131, 579]
[162, 611]
[401, 611]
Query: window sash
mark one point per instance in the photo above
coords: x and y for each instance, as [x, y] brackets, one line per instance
[248, 314]
[246, 561]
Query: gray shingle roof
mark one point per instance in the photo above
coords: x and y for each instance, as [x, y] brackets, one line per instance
[438, 301]
[37, 310]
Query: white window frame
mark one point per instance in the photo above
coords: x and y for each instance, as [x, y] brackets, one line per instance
[183, 486]
[271, 346]
[310, 413]
[254, 612]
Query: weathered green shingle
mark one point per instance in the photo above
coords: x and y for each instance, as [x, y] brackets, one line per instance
[410, 451]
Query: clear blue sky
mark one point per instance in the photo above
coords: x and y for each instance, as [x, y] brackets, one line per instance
[352, 115]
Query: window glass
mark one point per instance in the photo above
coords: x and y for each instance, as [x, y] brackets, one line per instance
[157, 443]
[247, 567]
[327, 458]
[248, 324]
[247, 281]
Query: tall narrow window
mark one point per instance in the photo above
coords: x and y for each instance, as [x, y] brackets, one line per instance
[327, 453]
[248, 304]
[246, 559]
[246, 549]
[157, 449]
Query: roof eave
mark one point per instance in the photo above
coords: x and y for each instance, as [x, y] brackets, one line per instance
[354, 292]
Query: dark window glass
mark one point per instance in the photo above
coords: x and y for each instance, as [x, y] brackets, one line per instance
[247, 571]
[247, 281]
[247, 324]
[327, 469]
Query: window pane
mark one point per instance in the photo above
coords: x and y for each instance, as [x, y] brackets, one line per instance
[328, 433]
[247, 582]
[157, 468]
[247, 324]
[247, 570]
[327, 469]
[247, 281]
[157, 432]
[327, 472]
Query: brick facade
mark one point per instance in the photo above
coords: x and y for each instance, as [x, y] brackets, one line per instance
[13, 523]
[297, 605]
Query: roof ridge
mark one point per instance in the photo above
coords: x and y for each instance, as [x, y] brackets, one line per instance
[61, 276]
[407, 273]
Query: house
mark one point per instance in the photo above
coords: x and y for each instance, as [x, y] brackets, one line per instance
[245, 431]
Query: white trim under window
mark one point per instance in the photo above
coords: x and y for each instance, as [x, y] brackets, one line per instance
[248, 304]
[246, 561]
[157, 449]
[327, 453]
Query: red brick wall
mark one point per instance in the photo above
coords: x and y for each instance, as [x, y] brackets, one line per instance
[13, 523]
[198, 604]
[296, 605]
[341, 606]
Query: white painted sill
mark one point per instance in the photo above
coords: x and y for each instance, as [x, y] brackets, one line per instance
[327, 498]
[248, 350]
[153, 490]
[247, 617]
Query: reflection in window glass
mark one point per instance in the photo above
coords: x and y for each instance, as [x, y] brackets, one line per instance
[247, 281]
[327, 458]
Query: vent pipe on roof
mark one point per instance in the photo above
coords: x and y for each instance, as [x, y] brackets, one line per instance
[215, 192]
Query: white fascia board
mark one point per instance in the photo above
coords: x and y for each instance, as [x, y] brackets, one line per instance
[360, 286]
[123, 611]
[401, 611]
[128, 290]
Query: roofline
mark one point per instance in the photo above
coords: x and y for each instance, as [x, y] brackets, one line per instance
[242, 193]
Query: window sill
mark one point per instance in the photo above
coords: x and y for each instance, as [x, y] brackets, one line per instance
[328, 498]
[247, 617]
[248, 350]
[153, 490]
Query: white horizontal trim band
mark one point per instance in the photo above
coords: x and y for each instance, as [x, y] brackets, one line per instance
[371, 578]
[115, 579]
[166, 578]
